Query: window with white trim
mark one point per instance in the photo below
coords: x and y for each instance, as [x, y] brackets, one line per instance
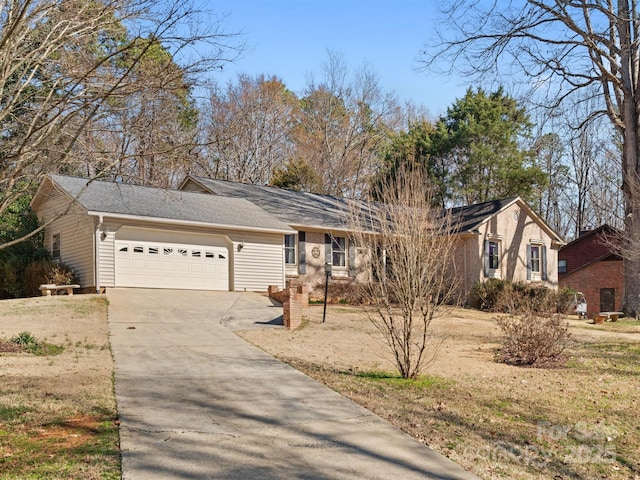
[55, 246]
[492, 258]
[535, 260]
[494, 255]
[339, 251]
[290, 250]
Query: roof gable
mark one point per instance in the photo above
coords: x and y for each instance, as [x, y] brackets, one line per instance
[589, 247]
[117, 199]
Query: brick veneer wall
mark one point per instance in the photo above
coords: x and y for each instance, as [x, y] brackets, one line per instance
[293, 299]
[584, 250]
[590, 279]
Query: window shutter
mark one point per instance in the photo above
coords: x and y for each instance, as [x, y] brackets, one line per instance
[543, 253]
[486, 258]
[302, 254]
[327, 248]
[352, 259]
[376, 264]
[528, 262]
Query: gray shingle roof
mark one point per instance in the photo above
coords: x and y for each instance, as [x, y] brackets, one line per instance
[292, 207]
[124, 199]
[467, 218]
[313, 210]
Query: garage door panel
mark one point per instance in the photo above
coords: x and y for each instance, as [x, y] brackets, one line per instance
[138, 263]
[182, 267]
[157, 265]
[154, 265]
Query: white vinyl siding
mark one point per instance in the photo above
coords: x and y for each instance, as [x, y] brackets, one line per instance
[259, 262]
[106, 256]
[76, 236]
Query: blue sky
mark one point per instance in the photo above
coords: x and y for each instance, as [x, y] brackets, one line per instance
[290, 39]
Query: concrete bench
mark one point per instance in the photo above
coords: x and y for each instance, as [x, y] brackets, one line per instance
[48, 288]
[607, 316]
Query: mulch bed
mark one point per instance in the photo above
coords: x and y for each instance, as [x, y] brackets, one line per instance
[10, 347]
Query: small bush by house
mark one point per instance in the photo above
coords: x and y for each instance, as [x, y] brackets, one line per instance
[496, 295]
[46, 271]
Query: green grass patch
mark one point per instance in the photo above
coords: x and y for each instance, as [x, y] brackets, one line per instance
[30, 344]
[83, 447]
[9, 413]
[622, 352]
[87, 306]
[422, 382]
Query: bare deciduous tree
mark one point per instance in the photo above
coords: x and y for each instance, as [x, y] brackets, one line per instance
[343, 123]
[248, 127]
[410, 247]
[561, 49]
[64, 63]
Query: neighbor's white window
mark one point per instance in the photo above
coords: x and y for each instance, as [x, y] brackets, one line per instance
[339, 251]
[55, 246]
[562, 266]
[290, 249]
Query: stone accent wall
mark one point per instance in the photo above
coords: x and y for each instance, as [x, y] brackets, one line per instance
[294, 299]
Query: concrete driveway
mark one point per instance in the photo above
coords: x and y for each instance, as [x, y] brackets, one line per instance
[198, 402]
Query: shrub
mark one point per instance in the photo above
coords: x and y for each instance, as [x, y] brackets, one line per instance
[15, 222]
[346, 293]
[533, 341]
[517, 298]
[46, 271]
[565, 300]
[25, 339]
[488, 292]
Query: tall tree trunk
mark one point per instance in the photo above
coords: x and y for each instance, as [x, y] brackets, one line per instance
[631, 190]
[627, 25]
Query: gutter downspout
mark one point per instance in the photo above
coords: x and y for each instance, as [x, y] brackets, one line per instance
[96, 252]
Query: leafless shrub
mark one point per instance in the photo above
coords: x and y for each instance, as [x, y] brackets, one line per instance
[410, 246]
[338, 292]
[46, 272]
[533, 341]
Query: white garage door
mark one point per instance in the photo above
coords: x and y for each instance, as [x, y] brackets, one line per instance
[171, 265]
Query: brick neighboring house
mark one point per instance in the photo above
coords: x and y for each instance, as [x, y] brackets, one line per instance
[589, 265]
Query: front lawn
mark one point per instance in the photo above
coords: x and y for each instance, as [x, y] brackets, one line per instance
[496, 420]
[57, 404]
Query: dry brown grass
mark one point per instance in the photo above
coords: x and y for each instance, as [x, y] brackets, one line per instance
[57, 413]
[496, 420]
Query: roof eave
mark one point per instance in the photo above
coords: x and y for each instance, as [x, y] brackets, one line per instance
[48, 185]
[193, 223]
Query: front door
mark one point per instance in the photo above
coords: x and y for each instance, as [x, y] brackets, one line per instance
[607, 299]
